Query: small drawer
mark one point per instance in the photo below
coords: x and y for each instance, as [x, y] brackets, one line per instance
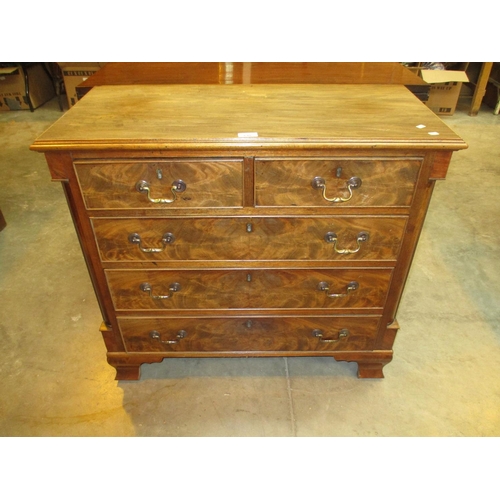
[255, 334]
[161, 184]
[335, 182]
[268, 289]
[258, 238]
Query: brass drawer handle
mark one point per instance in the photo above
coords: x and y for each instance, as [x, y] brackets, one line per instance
[167, 238]
[330, 237]
[155, 335]
[352, 183]
[177, 187]
[341, 335]
[147, 288]
[323, 286]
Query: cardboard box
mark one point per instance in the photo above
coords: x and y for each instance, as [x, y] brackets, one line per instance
[13, 88]
[74, 74]
[445, 89]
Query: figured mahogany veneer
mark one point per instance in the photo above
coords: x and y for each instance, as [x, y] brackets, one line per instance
[248, 238]
[279, 334]
[385, 182]
[236, 289]
[268, 220]
[209, 184]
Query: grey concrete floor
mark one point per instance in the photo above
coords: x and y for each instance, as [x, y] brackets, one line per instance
[444, 379]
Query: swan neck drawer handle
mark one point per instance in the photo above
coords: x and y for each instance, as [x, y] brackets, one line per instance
[330, 237]
[344, 333]
[178, 186]
[155, 335]
[147, 288]
[167, 239]
[352, 183]
[323, 286]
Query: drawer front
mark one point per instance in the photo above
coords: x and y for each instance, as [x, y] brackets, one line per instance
[220, 239]
[145, 184]
[252, 289]
[297, 334]
[350, 182]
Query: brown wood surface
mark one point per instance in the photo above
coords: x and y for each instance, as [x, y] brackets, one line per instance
[245, 289]
[250, 72]
[208, 183]
[370, 362]
[236, 334]
[288, 182]
[413, 230]
[207, 117]
[441, 162]
[60, 164]
[248, 246]
[227, 239]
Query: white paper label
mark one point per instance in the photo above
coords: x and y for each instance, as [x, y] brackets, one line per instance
[248, 134]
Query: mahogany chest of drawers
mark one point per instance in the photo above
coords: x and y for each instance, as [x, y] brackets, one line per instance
[266, 220]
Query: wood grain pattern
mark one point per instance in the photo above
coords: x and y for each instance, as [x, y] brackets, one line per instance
[287, 183]
[440, 165]
[245, 289]
[147, 73]
[247, 242]
[227, 239]
[208, 117]
[209, 183]
[236, 334]
[324, 72]
[128, 364]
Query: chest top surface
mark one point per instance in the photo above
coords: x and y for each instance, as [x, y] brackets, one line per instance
[243, 116]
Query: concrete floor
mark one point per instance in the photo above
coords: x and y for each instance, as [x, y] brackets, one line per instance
[444, 379]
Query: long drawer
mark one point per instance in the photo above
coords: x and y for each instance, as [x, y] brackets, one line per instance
[161, 184]
[327, 182]
[256, 289]
[257, 238]
[338, 333]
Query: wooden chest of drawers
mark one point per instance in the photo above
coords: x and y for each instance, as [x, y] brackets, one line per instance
[248, 220]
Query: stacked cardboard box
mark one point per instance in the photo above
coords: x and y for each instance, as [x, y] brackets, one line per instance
[445, 87]
[13, 95]
[74, 74]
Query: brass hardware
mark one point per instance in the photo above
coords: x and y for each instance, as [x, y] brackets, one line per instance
[352, 183]
[249, 227]
[166, 240]
[249, 323]
[341, 335]
[181, 334]
[323, 286]
[249, 277]
[159, 174]
[338, 173]
[330, 237]
[178, 186]
[146, 287]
